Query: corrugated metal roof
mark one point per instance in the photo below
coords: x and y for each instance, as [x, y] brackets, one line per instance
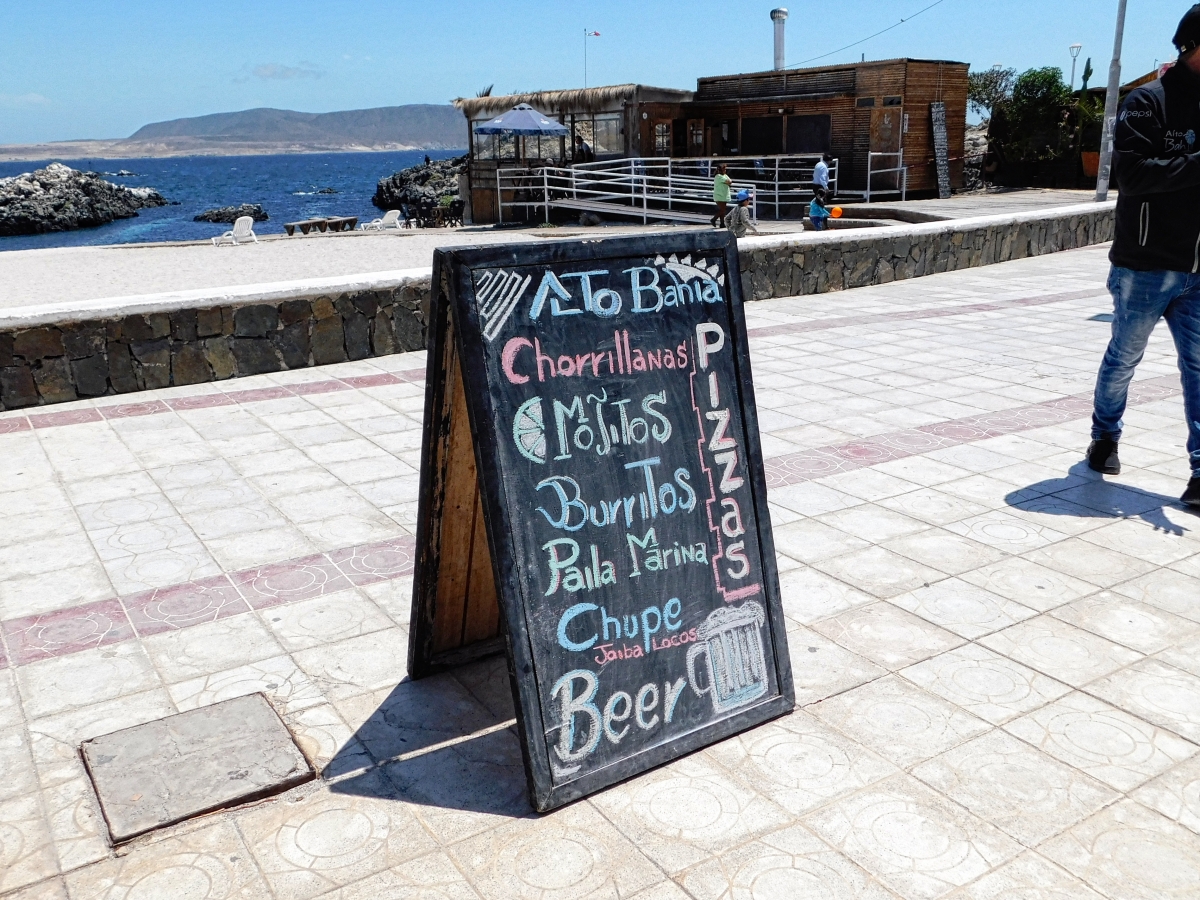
[838, 67]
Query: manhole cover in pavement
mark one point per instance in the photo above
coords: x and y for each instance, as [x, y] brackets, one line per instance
[166, 771]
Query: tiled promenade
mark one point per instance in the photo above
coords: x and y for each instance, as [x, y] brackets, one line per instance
[996, 653]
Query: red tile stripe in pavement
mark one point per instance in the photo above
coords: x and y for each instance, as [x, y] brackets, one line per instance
[205, 401]
[806, 465]
[105, 622]
[936, 312]
[206, 600]
[254, 395]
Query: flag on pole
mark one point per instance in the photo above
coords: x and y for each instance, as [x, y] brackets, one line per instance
[587, 34]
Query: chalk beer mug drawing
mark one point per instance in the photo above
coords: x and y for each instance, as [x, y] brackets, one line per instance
[731, 642]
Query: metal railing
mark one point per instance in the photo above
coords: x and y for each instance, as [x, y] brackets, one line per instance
[624, 186]
[900, 170]
[660, 187]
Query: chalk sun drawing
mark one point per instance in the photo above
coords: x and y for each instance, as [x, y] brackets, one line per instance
[688, 270]
[497, 295]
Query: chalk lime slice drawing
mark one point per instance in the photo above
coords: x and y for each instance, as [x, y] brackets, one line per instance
[529, 430]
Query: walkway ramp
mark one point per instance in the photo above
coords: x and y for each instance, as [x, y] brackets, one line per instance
[646, 189]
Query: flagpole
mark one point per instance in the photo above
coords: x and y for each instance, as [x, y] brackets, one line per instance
[587, 33]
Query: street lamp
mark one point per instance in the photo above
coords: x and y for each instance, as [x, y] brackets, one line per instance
[1074, 48]
[1110, 108]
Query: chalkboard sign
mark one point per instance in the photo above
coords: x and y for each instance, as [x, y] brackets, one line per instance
[941, 148]
[617, 537]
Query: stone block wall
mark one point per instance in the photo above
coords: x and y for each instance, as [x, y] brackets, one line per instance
[93, 358]
[782, 267]
[196, 341]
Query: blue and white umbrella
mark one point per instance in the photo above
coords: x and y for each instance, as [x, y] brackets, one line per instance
[523, 120]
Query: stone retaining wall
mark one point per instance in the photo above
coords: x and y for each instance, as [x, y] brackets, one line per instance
[142, 351]
[57, 355]
[775, 267]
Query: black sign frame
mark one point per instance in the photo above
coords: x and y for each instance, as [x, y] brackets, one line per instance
[456, 319]
[941, 148]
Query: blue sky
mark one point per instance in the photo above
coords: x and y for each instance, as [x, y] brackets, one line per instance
[103, 68]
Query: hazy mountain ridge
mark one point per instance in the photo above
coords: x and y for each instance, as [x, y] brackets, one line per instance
[419, 126]
[436, 126]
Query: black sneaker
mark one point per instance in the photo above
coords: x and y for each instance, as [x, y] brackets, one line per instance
[1191, 497]
[1102, 457]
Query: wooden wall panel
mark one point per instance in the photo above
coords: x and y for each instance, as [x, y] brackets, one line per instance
[930, 82]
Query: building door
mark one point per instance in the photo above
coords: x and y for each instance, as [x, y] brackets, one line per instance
[887, 132]
[695, 133]
[716, 142]
[662, 137]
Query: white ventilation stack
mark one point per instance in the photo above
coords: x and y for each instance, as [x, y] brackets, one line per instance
[779, 16]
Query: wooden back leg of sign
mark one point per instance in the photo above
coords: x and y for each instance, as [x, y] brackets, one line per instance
[456, 613]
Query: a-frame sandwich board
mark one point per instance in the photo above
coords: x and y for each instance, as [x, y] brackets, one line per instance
[593, 501]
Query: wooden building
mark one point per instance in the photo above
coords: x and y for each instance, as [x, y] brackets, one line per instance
[848, 111]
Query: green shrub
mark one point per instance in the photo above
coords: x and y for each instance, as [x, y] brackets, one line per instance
[990, 88]
[1038, 121]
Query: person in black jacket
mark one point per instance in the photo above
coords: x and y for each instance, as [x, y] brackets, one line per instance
[1156, 250]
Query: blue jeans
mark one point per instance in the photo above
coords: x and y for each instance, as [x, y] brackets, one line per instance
[1140, 299]
[818, 222]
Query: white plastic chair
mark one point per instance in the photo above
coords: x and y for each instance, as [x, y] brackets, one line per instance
[243, 230]
[391, 219]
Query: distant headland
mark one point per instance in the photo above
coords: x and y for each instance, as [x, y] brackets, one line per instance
[421, 126]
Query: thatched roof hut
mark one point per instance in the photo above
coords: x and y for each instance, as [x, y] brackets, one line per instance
[610, 98]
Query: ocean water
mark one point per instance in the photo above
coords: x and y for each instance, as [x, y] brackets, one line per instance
[286, 185]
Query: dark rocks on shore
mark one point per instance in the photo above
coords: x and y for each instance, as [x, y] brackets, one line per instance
[420, 184]
[230, 214]
[59, 198]
[974, 156]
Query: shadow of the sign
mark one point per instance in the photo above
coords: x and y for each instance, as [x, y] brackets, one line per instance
[447, 741]
[1082, 493]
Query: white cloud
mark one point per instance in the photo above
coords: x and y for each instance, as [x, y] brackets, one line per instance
[278, 72]
[20, 101]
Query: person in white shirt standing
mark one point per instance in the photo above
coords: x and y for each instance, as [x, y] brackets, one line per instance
[821, 174]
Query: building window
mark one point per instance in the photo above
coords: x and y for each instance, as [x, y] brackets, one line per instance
[484, 144]
[606, 130]
[864, 102]
[662, 139]
[496, 146]
[602, 133]
[809, 134]
[762, 135]
[893, 101]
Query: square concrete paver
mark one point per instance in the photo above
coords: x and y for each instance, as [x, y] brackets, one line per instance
[171, 769]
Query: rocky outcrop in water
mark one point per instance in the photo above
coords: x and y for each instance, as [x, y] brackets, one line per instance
[58, 198]
[420, 184]
[230, 214]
